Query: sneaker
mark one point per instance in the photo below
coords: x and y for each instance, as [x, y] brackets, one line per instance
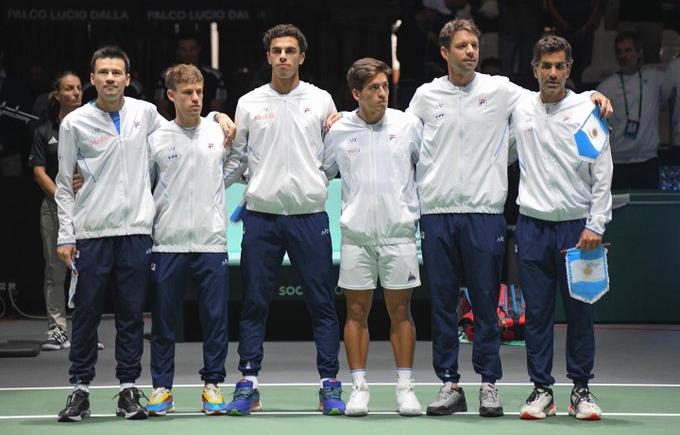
[357, 404]
[448, 401]
[57, 339]
[161, 402]
[129, 406]
[582, 405]
[330, 398]
[246, 399]
[489, 403]
[540, 404]
[213, 400]
[407, 402]
[77, 406]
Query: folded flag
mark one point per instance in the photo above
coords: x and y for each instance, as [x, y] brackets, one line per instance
[587, 274]
[592, 136]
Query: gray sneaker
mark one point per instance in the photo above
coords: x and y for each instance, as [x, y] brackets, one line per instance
[489, 403]
[448, 401]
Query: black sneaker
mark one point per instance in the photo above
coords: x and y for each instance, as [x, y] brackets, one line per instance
[129, 406]
[77, 407]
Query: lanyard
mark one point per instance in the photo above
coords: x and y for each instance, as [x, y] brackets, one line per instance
[625, 100]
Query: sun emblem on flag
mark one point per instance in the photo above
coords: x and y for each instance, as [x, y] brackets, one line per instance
[594, 132]
[587, 270]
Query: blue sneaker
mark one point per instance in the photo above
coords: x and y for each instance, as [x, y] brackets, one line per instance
[330, 398]
[246, 399]
[213, 400]
[160, 403]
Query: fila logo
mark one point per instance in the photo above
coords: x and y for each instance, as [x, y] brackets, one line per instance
[137, 123]
[411, 276]
[500, 239]
[393, 136]
[225, 261]
[153, 267]
[566, 118]
[307, 110]
[325, 232]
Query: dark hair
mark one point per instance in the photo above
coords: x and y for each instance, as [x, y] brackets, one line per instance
[182, 73]
[53, 105]
[281, 30]
[113, 52]
[364, 70]
[551, 44]
[633, 36]
[453, 26]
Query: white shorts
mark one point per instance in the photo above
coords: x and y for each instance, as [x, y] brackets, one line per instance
[395, 265]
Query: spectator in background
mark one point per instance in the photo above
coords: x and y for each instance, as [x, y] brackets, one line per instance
[576, 20]
[65, 97]
[214, 92]
[636, 93]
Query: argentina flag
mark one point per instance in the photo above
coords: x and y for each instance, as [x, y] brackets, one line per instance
[587, 274]
[592, 136]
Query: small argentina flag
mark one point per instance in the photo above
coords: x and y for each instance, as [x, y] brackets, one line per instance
[587, 274]
[591, 136]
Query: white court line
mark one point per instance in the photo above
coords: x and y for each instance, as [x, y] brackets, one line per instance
[318, 413]
[312, 384]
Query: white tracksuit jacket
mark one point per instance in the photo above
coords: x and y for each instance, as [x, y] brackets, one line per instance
[115, 199]
[555, 184]
[377, 165]
[188, 167]
[279, 138]
[463, 160]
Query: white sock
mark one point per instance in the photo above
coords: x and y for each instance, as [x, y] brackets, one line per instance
[358, 375]
[82, 387]
[125, 385]
[208, 384]
[404, 375]
[252, 379]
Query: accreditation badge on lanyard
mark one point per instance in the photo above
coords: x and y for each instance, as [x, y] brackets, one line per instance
[587, 274]
[592, 136]
[632, 125]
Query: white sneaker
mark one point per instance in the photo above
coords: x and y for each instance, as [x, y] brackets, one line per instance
[407, 402]
[583, 406]
[357, 405]
[539, 405]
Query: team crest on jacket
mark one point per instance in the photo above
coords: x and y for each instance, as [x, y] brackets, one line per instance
[211, 146]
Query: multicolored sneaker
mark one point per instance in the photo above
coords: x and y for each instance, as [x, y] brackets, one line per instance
[330, 398]
[582, 405]
[213, 400]
[160, 402]
[539, 405]
[246, 399]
